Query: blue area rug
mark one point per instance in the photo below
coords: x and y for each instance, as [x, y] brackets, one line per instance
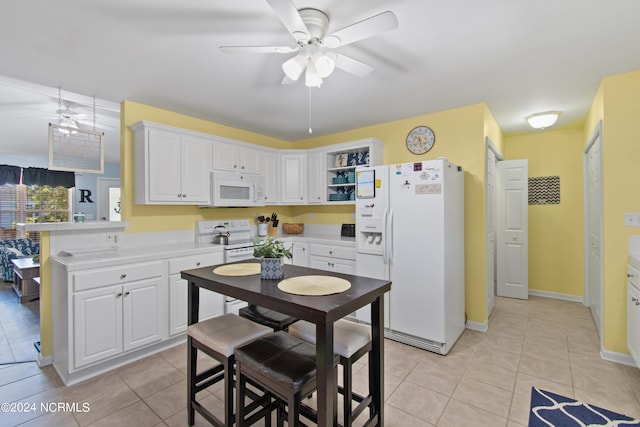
[550, 409]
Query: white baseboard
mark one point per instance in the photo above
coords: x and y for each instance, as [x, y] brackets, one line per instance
[477, 326]
[612, 356]
[556, 295]
[44, 360]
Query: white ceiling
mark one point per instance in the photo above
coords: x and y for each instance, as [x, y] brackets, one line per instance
[519, 57]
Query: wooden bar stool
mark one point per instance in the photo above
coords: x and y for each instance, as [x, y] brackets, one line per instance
[273, 319]
[351, 341]
[283, 366]
[217, 338]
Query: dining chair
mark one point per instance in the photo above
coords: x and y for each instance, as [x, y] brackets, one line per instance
[217, 337]
[351, 341]
[283, 366]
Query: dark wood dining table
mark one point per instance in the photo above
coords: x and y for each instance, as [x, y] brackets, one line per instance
[323, 311]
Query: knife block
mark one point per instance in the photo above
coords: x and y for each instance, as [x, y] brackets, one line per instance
[272, 231]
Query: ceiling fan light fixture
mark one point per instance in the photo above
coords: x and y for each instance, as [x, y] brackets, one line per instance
[543, 120]
[324, 63]
[69, 123]
[312, 77]
[294, 67]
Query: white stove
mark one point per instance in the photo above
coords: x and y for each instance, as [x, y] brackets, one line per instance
[240, 244]
[239, 247]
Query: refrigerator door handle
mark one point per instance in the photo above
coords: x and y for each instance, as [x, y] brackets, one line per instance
[385, 255]
[390, 236]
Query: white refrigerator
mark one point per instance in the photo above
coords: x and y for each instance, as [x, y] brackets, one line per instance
[410, 230]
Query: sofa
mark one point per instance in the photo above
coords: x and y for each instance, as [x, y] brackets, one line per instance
[12, 249]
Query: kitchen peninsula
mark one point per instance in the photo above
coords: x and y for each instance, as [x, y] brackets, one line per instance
[323, 311]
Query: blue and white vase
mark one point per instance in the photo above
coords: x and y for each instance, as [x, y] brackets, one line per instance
[271, 268]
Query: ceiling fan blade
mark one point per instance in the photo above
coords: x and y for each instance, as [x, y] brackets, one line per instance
[352, 66]
[258, 49]
[287, 81]
[90, 124]
[366, 28]
[288, 14]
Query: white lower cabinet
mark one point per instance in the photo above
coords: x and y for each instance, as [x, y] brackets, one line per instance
[211, 303]
[330, 258]
[114, 318]
[633, 314]
[300, 252]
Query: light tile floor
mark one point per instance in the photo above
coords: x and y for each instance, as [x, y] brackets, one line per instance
[19, 327]
[484, 381]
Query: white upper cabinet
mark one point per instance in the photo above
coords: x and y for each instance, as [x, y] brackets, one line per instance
[171, 165]
[317, 176]
[294, 178]
[272, 177]
[234, 157]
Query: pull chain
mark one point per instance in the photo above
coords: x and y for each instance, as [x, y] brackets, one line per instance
[310, 130]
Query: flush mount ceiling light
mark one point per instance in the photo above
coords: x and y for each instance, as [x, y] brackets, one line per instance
[543, 120]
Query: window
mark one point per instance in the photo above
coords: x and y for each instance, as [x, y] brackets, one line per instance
[36, 203]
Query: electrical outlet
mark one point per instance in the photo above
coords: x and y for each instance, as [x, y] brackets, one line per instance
[632, 219]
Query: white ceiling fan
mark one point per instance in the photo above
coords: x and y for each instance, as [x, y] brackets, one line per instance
[314, 46]
[69, 114]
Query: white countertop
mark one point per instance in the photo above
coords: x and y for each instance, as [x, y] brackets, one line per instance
[83, 259]
[106, 257]
[320, 238]
[72, 226]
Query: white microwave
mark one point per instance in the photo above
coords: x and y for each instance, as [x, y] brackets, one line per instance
[230, 189]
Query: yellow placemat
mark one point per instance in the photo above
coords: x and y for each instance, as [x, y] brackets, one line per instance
[314, 285]
[244, 269]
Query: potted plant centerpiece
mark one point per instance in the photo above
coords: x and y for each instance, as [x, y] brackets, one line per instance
[272, 254]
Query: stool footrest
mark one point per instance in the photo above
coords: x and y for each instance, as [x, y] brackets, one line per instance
[206, 414]
[211, 376]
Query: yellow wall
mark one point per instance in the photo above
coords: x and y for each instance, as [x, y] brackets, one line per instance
[556, 232]
[621, 175]
[460, 137]
[165, 217]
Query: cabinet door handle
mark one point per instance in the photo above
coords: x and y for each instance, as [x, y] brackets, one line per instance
[330, 252]
[123, 275]
[184, 195]
[241, 167]
[127, 293]
[179, 195]
[198, 264]
[119, 294]
[629, 275]
[634, 299]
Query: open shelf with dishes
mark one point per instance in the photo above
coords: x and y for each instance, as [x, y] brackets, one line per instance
[341, 163]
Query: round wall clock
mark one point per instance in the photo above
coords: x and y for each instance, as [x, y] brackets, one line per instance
[421, 139]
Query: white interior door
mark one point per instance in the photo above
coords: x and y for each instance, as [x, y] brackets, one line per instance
[594, 229]
[512, 226]
[491, 229]
[108, 207]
